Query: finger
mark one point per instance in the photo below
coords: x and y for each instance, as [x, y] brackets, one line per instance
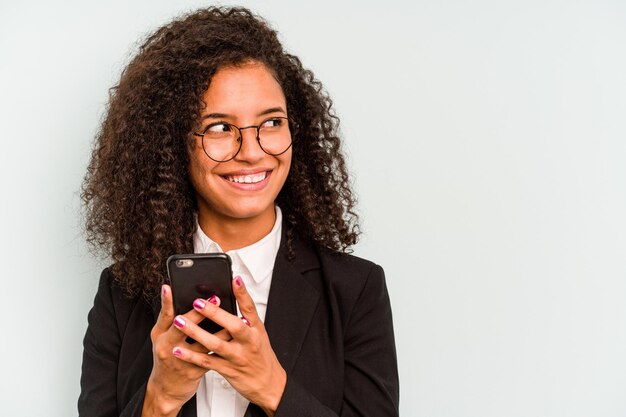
[198, 347]
[173, 334]
[224, 335]
[166, 315]
[211, 342]
[246, 304]
[233, 324]
[202, 360]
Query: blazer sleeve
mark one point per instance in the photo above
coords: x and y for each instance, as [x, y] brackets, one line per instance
[102, 344]
[371, 385]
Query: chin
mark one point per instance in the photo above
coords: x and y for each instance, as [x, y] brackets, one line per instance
[248, 211]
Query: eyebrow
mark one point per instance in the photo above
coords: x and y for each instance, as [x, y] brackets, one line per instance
[224, 115]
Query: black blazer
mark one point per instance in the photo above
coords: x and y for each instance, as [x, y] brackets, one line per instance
[329, 323]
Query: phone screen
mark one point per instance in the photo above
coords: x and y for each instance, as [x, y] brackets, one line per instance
[201, 276]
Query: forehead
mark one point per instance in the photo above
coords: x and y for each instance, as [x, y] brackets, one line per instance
[243, 90]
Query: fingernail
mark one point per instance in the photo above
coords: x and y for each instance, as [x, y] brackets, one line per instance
[245, 321]
[163, 289]
[213, 299]
[238, 281]
[199, 303]
[179, 322]
[177, 352]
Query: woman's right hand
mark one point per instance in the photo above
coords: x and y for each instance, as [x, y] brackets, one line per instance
[172, 381]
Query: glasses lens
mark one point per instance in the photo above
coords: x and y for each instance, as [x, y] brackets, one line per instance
[274, 135]
[220, 141]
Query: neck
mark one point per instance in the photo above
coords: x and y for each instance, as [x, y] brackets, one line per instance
[233, 233]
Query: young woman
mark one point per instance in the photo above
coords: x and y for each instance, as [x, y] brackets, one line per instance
[215, 140]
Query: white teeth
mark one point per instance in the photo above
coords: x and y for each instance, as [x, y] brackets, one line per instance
[247, 179]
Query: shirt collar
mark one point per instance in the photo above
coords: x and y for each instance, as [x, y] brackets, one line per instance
[258, 257]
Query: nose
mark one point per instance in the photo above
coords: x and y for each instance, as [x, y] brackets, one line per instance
[250, 149]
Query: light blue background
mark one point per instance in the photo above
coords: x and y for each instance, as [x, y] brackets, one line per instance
[488, 142]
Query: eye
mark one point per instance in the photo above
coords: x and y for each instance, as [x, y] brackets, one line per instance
[273, 123]
[218, 128]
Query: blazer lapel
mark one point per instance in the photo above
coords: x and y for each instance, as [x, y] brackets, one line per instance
[292, 302]
[290, 306]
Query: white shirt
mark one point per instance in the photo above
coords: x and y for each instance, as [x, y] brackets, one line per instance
[254, 264]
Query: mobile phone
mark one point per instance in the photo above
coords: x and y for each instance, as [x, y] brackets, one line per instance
[201, 276]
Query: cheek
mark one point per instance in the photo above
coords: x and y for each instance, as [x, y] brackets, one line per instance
[286, 158]
[198, 169]
[194, 167]
[285, 162]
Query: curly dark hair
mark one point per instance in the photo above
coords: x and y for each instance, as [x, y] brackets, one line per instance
[138, 198]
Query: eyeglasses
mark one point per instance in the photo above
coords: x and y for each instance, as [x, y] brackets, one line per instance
[222, 141]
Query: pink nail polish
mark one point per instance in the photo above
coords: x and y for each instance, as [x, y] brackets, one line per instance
[213, 299]
[238, 281]
[199, 304]
[179, 322]
[163, 289]
[177, 352]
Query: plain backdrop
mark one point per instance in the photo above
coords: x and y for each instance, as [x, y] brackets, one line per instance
[488, 145]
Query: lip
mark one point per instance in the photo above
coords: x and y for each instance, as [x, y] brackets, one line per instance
[257, 186]
[246, 171]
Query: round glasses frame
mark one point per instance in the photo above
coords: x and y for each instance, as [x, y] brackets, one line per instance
[291, 125]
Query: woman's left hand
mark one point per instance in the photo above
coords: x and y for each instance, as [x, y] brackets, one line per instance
[247, 361]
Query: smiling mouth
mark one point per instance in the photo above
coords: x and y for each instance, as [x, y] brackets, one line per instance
[247, 179]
